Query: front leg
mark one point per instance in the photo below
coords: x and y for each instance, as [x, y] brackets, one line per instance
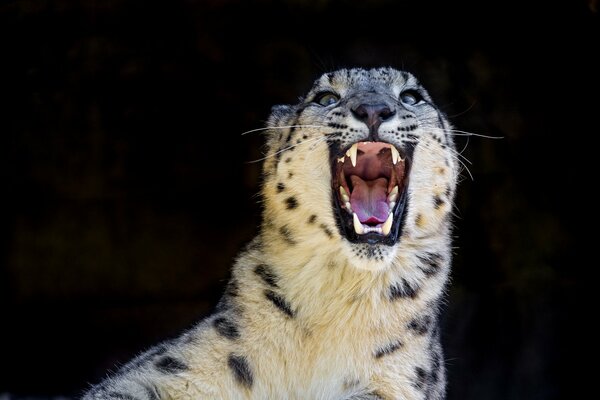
[418, 378]
[195, 366]
[146, 377]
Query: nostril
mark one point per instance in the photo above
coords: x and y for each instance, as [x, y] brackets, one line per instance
[372, 114]
[361, 112]
[386, 113]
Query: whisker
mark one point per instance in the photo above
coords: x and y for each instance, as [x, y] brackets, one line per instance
[287, 148]
[464, 148]
[457, 132]
[283, 127]
[454, 154]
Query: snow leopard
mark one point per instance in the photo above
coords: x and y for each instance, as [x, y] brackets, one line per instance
[339, 295]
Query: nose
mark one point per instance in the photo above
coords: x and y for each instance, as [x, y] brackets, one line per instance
[373, 115]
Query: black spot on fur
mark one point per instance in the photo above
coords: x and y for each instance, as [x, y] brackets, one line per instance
[232, 289]
[419, 219]
[390, 348]
[422, 378]
[312, 219]
[437, 202]
[337, 126]
[228, 299]
[370, 251]
[121, 396]
[147, 357]
[255, 244]
[430, 263]
[266, 274]
[287, 235]
[287, 160]
[291, 203]
[170, 365]
[280, 303]
[290, 174]
[350, 383]
[280, 187]
[420, 325]
[241, 370]
[226, 328]
[402, 290]
[152, 393]
[326, 230]
[436, 365]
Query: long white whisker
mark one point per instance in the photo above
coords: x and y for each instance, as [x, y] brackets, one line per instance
[464, 148]
[287, 148]
[283, 127]
[457, 132]
[454, 154]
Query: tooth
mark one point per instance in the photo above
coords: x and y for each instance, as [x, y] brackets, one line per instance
[348, 206]
[341, 159]
[358, 227]
[387, 225]
[352, 153]
[392, 204]
[393, 194]
[344, 194]
[395, 155]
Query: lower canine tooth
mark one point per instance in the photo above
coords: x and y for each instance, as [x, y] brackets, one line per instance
[393, 194]
[358, 227]
[344, 194]
[387, 225]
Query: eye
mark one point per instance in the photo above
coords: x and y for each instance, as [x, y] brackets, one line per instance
[326, 99]
[411, 97]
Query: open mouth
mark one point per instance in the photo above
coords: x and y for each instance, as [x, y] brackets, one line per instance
[369, 182]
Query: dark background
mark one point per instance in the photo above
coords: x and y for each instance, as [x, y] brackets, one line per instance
[128, 190]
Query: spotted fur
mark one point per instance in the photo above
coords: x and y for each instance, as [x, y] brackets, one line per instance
[308, 314]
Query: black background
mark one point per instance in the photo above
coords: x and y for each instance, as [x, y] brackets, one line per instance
[128, 187]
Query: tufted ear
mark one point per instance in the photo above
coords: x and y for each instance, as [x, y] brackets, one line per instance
[279, 114]
[281, 108]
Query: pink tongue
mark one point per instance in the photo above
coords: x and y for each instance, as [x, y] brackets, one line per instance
[369, 199]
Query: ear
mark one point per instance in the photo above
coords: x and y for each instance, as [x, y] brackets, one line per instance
[279, 114]
[281, 108]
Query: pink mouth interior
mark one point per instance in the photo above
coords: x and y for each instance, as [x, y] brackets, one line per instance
[369, 199]
[370, 181]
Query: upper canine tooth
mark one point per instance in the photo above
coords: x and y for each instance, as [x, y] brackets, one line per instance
[387, 225]
[352, 153]
[344, 194]
[395, 155]
[358, 227]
